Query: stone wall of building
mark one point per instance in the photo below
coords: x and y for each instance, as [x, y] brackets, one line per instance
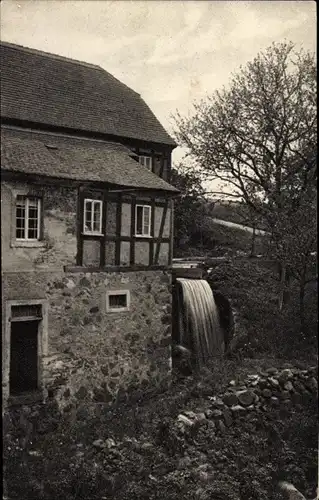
[94, 355]
[58, 247]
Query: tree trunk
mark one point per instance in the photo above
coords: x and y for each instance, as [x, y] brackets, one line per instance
[302, 315]
[282, 284]
[253, 243]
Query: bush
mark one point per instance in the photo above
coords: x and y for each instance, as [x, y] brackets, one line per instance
[252, 287]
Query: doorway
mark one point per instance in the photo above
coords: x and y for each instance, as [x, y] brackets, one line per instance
[24, 357]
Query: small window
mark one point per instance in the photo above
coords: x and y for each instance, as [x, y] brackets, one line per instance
[28, 218]
[143, 220]
[92, 217]
[146, 161]
[117, 300]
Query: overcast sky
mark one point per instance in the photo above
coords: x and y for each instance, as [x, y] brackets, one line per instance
[171, 52]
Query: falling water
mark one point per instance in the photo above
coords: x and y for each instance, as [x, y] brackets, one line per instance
[198, 320]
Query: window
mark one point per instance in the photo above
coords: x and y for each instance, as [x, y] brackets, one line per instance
[28, 218]
[92, 217]
[146, 161]
[143, 220]
[117, 300]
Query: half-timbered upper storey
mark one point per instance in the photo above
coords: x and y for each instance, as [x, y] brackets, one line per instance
[85, 168]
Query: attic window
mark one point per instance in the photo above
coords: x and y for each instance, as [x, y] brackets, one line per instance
[146, 161]
[117, 300]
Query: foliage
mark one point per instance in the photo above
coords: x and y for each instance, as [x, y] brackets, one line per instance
[252, 286]
[190, 209]
[259, 138]
[64, 463]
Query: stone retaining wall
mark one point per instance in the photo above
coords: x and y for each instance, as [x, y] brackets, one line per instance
[278, 389]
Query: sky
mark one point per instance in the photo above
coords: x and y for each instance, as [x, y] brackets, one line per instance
[171, 52]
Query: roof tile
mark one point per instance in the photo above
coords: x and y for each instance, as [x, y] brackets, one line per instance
[53, 90]
[75, 158]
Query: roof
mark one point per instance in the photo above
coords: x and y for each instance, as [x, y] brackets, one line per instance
[81, 159]
[52, 90]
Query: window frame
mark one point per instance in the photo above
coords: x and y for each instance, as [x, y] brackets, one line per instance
[110, 309]
[143, 235]
[93, 202]
[26, 199]
[43, 338]
[142, 159]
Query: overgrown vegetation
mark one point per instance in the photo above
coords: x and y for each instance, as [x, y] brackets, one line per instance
[144, 457]
[258, 138]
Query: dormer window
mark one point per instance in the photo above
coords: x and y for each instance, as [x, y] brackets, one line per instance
[92, 217]
[146, 161]
[28, 218]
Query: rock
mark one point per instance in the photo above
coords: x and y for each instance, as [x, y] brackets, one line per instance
[266, 393]
[245, 398]
[285, 375]
[272, 371]
[217, 414]
[263, 383]
[238, 409]
[99, 443]
[221, 426]
[185, 420]
[284, 395]
[190, 414]
[230, 399]
[274, 382]
[290, 491]
[209, 413]
[200, 417]
[312, 384]
[211, 425]
[288, 386]
[227, 417]
[70, 284]
[299, 387]
[286, 404]
[147, 447]
[274, 401]
[232, 383]
[183, 463]
[254, 383]
[110, 443]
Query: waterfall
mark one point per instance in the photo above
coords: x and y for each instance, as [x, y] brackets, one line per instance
[197, 320]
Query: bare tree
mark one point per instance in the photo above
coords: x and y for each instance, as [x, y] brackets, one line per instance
[258, 137]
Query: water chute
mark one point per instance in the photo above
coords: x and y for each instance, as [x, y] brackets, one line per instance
[197, 323]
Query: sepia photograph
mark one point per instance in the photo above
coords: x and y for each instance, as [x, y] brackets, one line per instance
[159, 269]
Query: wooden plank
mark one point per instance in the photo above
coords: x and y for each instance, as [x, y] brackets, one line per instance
[171, 234]
[103, 239]
[160, 236]
[113, 269]
[151, 246]
[132, 247]
[79, 239]
[162, 167]
[118, 230]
